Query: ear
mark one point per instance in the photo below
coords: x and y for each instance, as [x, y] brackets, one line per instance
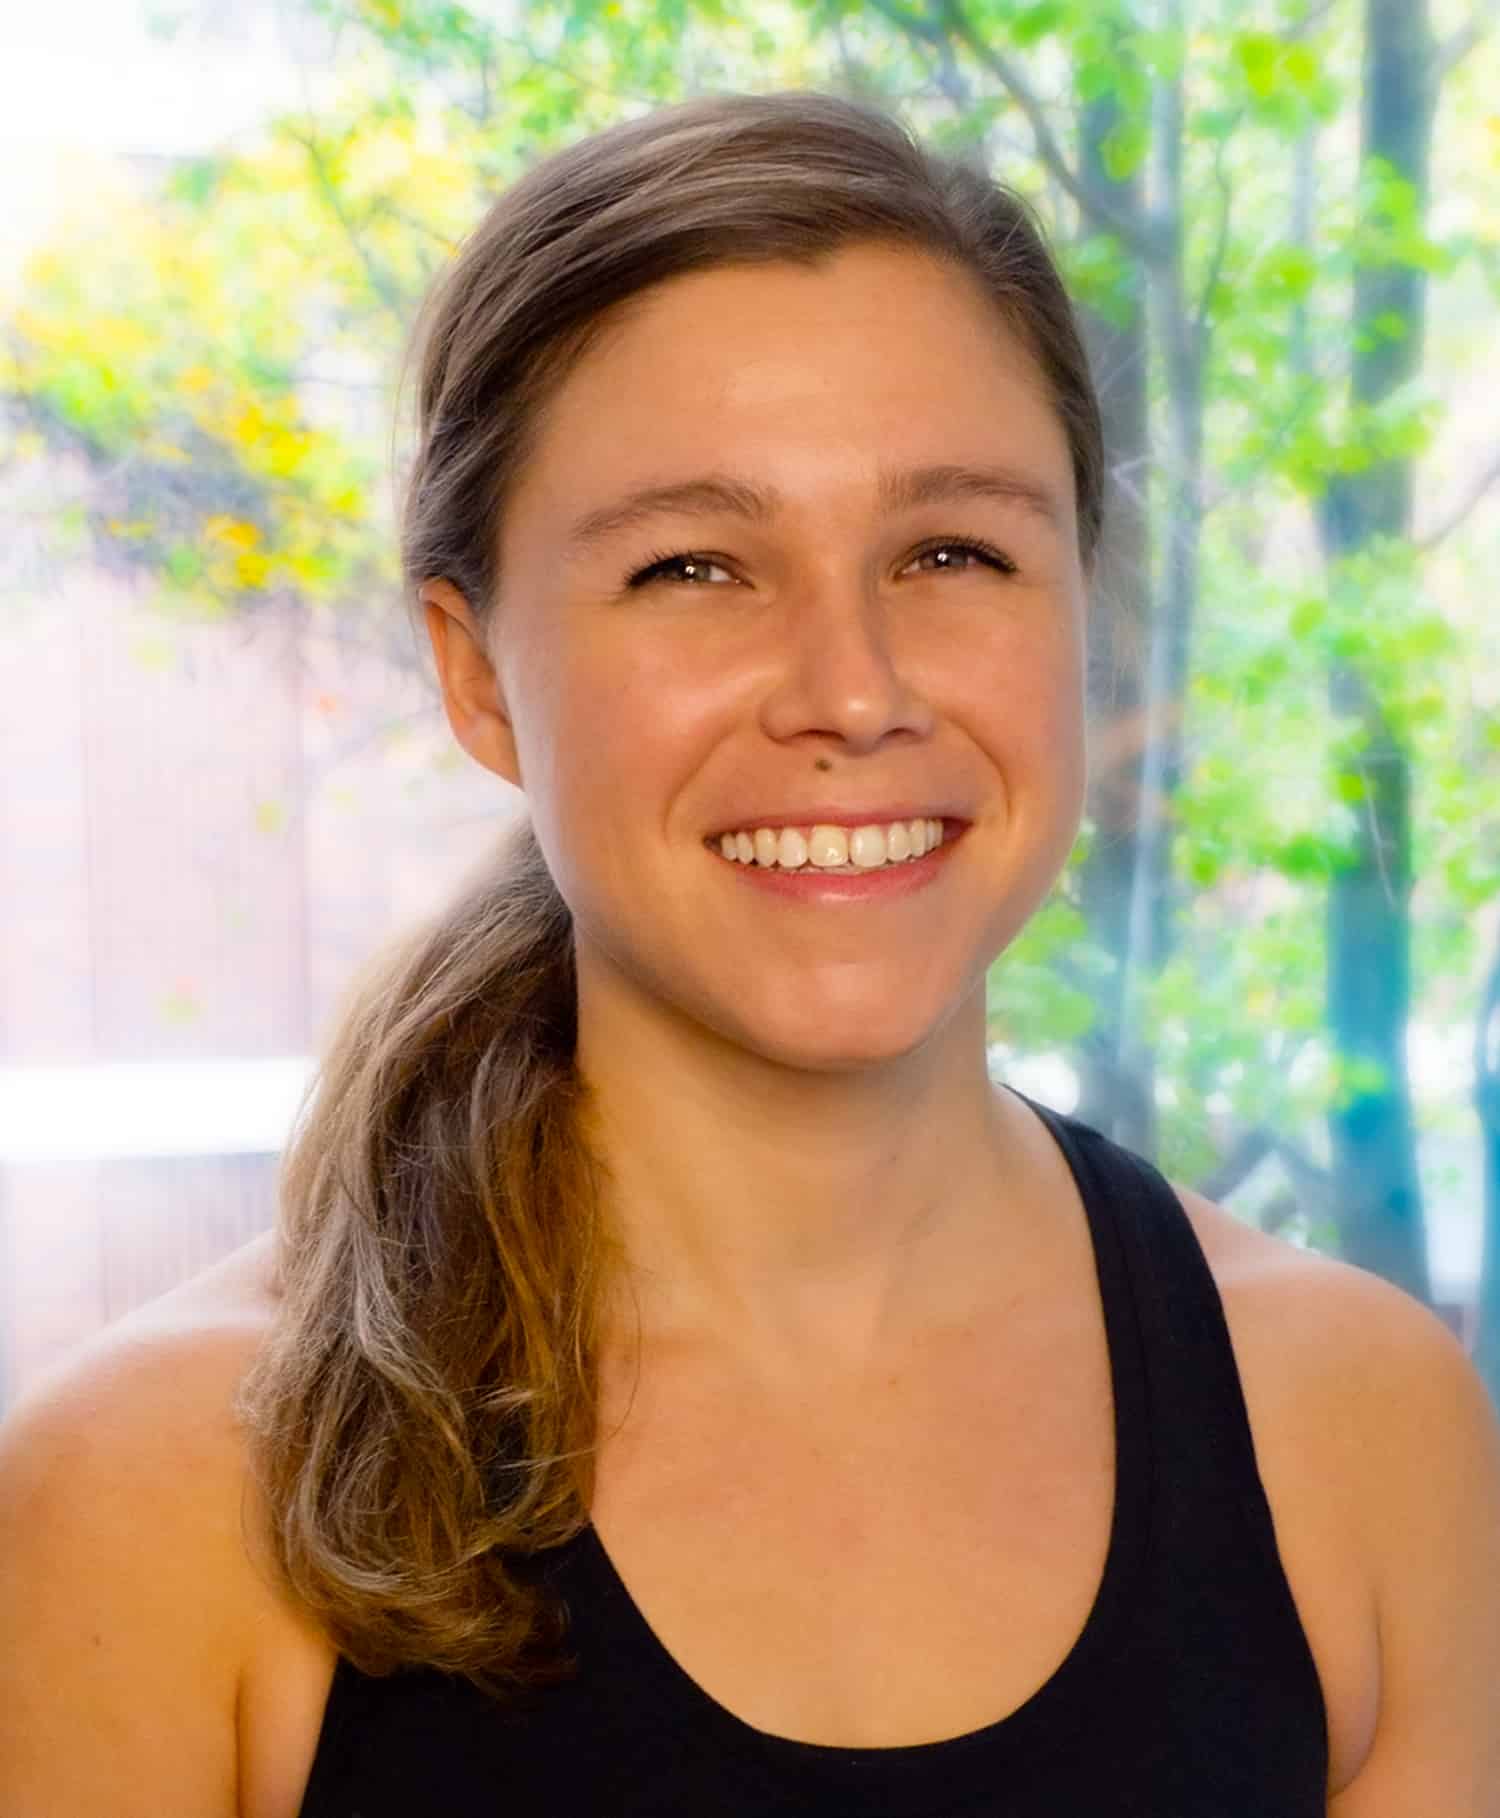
[472, 697]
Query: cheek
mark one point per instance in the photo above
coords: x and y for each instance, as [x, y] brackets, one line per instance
[1026, 686]
[1052, 723]
[615, 731]
[620, 749]
[642, 713]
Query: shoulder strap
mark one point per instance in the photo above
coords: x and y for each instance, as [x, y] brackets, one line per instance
[1203, 1448]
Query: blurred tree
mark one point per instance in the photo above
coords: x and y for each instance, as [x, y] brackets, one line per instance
[1369, 509]
[1365, 519]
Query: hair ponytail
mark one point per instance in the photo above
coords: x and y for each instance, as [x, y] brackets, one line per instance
[422, 1413]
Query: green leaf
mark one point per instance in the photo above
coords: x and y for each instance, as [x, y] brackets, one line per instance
[1287, 272]
[1125, 147]
[184, 564]
[1308, 615]
[1257, 54]
[1035, 22]
[193, 181]
[1306, 857]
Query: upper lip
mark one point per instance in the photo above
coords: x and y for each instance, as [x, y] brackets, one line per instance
[831, 814]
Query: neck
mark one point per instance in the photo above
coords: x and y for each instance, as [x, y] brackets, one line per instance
[797, 1220]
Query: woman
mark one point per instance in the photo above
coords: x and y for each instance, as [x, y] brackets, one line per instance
[683, 1382]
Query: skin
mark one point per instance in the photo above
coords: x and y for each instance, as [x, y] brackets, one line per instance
[835, 1052]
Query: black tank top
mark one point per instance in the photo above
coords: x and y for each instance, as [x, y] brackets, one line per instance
[1190, 1693]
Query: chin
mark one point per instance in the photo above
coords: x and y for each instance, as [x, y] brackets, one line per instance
[850, 1042]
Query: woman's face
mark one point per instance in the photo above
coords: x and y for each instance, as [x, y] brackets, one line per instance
[816, 652]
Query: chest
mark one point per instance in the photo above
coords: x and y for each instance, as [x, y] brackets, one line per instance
[917, 1565]
[894, 1571]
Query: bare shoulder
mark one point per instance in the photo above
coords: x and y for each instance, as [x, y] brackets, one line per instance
[1307, 1331]
[1333, 1354]
[147, 1404]
[1349, 1339]
[134, 1433]
[1379, 1449]
[129, 1586]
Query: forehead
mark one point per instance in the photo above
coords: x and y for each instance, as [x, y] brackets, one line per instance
[878, 359]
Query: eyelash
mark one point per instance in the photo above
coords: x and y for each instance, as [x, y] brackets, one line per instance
[991, 556]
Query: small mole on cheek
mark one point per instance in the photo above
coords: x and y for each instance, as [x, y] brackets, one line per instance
[822, 764]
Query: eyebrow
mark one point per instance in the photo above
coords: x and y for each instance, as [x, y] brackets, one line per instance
[897, 489]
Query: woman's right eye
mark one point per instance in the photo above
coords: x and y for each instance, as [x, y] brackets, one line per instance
[690, 561]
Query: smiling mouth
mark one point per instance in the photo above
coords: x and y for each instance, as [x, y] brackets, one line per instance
[835, 851]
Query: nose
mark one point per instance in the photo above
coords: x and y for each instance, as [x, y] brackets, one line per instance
[840, 674]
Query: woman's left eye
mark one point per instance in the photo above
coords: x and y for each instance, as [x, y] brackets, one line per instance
[694, 561]
[987, 553]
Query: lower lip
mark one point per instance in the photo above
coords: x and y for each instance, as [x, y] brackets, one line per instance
[809, 884]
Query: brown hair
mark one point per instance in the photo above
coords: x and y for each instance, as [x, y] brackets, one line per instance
[422, 1417]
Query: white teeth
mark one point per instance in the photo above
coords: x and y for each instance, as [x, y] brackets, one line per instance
[791, 848]
[828, 846]
[834, 848]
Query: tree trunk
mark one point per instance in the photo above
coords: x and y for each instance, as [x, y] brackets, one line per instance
[1181, 335]
[1377, 1189]
[1114, 1098]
